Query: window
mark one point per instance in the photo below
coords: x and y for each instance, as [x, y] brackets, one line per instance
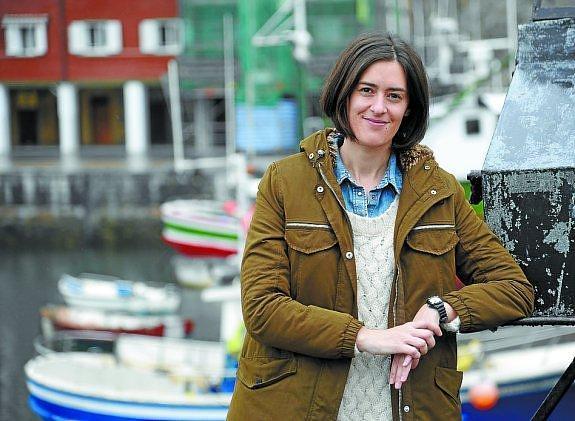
[161, 36]
[25, 35]
[95, 38]
[472, 126]
[96, 34]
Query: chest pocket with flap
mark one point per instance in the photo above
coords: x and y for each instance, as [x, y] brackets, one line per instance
[433, 239]
[314, 258]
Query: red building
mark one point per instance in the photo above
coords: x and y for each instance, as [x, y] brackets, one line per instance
[76, 73]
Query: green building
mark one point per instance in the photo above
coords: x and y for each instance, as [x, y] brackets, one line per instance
[276, 96]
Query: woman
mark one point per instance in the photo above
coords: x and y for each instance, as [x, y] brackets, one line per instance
[348, 278]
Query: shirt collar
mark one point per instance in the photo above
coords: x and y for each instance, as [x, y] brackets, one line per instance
[392, 176]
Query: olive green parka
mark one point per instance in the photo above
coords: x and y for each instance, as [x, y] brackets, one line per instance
[299, 284]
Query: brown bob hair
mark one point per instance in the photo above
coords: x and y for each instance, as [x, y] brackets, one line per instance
[363, 51]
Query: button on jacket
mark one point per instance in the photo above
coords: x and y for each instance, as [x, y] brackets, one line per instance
[299, 286]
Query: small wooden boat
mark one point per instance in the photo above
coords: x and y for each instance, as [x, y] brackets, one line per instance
[114, 294]
[201, 227]
[58, 318]
[147, 379]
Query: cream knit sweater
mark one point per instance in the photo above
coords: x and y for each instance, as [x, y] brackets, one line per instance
[367, 394]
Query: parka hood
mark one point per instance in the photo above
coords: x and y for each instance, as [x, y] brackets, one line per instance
[326, 140]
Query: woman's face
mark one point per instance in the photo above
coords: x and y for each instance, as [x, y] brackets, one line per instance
[378, 103]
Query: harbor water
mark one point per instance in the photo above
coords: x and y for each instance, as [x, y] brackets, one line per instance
[28, 279]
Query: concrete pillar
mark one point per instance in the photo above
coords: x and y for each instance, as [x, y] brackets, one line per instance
[136, 118]
[68, 119]
[5, 132]
[202, 126]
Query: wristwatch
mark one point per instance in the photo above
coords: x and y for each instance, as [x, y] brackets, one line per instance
[436, 303]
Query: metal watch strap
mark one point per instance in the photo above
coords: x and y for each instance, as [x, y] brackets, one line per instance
[437, 304]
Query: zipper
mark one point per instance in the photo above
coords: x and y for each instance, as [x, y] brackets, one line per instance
[399, 409]
[331, 188]
[306, 225]
[436, 226]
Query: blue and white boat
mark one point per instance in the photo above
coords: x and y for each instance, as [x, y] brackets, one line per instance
[158, 383]
[109, 293]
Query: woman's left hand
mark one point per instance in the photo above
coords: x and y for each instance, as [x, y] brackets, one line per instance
[402, 364]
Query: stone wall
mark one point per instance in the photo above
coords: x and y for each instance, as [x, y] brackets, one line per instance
[50, 207]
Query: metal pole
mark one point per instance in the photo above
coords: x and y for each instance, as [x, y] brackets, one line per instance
[301, 54]
[419, 27]
[556, 394]
[229, 89]
[397, 24]
[176, 113]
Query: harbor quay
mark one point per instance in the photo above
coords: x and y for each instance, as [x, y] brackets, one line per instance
[92, 203]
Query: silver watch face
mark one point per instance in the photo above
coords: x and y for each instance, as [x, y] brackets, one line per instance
[435, 300]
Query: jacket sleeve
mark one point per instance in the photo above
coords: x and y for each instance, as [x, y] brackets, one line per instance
[271, 316]
[496, 291]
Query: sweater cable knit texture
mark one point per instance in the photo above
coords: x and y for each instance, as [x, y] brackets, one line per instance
[367, 394]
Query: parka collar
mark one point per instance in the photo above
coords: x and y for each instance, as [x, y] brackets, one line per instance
[323, 144]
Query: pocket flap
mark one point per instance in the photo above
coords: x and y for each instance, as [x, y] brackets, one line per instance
[310, 240]
[260, 372]
[449, 380]
[433, 241]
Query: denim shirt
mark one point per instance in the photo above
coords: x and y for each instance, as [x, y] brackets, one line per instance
[375, 202]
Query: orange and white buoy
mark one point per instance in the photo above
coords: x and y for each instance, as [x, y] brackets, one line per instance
[484, 395]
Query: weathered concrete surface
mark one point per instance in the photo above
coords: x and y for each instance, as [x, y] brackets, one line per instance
[529, 170]
[53, 207]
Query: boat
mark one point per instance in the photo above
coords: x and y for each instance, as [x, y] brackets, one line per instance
[460, 130]
[59, 318]
[201, 227]
[197, 272]
[76, 341]
[114, 294]
[146, 378]
[511, 373]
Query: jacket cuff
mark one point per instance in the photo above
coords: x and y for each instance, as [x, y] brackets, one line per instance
[349, 337]
[463, 312]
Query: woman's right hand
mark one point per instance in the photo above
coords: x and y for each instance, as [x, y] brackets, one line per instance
[412, 338]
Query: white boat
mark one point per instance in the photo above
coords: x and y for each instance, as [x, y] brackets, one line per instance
[179, 357]
[58, 318]
[75, 386]
[195, 272]
[147, 379]
[114, 294]
[460, 130]
[201, 227]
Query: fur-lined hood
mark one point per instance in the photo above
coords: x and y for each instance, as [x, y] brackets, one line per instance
[327, 139]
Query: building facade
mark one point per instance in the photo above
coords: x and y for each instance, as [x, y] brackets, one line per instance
[79, 74]
[89, 77]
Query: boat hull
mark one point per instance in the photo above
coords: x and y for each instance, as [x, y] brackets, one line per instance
[189, 248]
[200, 228]
[85, 386]
[522, 406]
[117, 295]
[62, 318]
[53, 405]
